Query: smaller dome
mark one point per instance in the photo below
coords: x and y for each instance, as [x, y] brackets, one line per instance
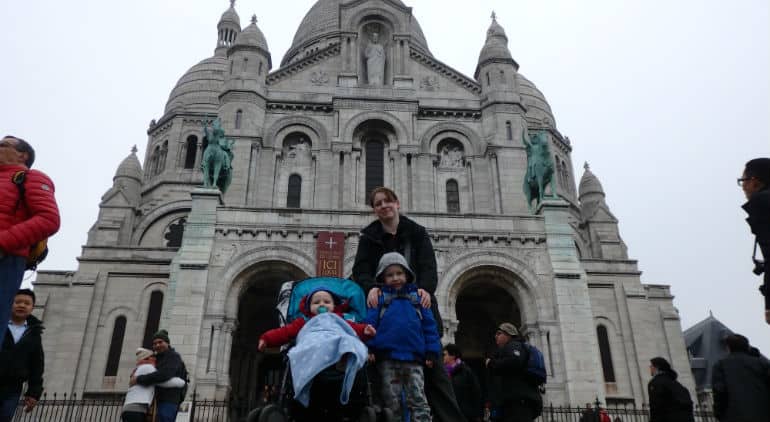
[496, 46]
[130, 167]
[589, 184]
[230, 16]
[251, 36]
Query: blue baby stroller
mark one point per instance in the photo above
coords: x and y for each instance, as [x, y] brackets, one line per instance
[327, 385]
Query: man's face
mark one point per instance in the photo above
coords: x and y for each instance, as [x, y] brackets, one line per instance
[385, 209]
[22, 307]
[394, 276]
[501, 338]
[159, 346]
[750, 185]
[321, 299]
[9, 154]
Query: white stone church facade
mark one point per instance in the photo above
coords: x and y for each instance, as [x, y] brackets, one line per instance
[312, 136]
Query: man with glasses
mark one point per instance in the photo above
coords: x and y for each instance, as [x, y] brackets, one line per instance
[514, 397]
[755, 183]
[28, 214]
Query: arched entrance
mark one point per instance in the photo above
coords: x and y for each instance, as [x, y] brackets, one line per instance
[484, 300]
[250, 370]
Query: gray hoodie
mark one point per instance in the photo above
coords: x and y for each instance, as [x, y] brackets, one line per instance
[392, 258]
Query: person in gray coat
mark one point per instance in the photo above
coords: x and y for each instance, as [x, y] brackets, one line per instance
[741, 384]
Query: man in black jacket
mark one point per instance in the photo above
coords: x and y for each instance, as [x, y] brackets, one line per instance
[756, 185]
[669, 400]
[21, 358]
[741, 384]
[168, 365]
[393, 232]
[514, 397]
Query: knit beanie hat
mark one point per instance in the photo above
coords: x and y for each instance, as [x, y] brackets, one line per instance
[392, 258]
[163, 335]
[142, 353]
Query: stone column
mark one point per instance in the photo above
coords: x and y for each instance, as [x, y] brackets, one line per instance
[183, 306]
[579, 346]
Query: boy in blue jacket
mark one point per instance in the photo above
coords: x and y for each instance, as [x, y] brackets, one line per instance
[406, 338]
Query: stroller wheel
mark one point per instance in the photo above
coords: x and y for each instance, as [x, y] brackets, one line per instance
[387, 415]
[254, 415]
[368, 414]
[272, 413]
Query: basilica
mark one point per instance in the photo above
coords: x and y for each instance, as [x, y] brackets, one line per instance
[358, 101]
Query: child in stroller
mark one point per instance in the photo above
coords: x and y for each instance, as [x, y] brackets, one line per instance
[326, 360]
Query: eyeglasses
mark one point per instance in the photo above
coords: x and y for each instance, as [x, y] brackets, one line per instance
[743, 179]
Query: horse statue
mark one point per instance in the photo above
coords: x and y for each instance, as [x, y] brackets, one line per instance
[539, 168]
[217, 158]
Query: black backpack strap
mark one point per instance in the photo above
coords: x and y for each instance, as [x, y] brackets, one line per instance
[18, 179]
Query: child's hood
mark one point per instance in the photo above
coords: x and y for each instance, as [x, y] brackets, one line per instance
[392, 258]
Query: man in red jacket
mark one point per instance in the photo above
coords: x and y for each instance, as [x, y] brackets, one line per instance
[24, 220]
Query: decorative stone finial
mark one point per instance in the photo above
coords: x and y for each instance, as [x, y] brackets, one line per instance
[232, 4]
[134, 149]
[254, 19]
[586, 167]
[494, 16]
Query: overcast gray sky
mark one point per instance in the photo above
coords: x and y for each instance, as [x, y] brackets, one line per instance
[666, 100]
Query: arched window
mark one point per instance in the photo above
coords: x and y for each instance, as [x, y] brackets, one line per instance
[295, 191]
[452, 197]
[245, 64]
[604, 350]
[509, 131]
[238, 117]
[489, 81]
[155, 161]
[375, 165]
[163, 154]
[153, 318]
[232, 63]
[116, 346]
[260, 68]
[191, 150]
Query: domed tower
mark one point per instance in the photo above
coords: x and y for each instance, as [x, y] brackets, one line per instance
[496, 70]
[243, 100]
[228, 28]
[597, 219]
[114, 225]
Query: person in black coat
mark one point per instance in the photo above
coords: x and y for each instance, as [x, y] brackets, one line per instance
[741, 384]
[514, 396]
[669, 400]
[168, 365]
[465, 384]
[21, 358]
[393, 232]
[755, 183]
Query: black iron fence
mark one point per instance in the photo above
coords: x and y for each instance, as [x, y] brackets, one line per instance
[64, 408]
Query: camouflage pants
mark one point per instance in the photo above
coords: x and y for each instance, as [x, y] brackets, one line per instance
[400, 376]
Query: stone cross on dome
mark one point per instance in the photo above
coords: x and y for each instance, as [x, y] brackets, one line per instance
[586, 167]
[494, 16]
[253, 18]
[232, 3]
[134, 150]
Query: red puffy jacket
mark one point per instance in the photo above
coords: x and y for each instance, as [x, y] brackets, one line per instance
[24, 223]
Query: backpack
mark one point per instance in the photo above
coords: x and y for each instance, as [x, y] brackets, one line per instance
[183, 374]
[536, 365]
[38, 251]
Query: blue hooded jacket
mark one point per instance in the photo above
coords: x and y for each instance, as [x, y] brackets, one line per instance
[406, 331]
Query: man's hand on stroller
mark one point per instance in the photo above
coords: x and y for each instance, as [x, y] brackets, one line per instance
[373, 298]
[369, 331]
[262, 345]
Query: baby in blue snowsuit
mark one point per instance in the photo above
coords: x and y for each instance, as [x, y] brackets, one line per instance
[406, 338]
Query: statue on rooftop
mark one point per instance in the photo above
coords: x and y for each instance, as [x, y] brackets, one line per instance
[217, 158]
[539, 168]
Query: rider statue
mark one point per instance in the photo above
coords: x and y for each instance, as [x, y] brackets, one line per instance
[539, 168]
[217, 158]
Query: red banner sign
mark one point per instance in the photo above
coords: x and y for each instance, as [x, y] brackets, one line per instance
[330, 251]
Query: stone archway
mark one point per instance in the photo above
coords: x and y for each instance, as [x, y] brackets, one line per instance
[484, 300]
[250, 370]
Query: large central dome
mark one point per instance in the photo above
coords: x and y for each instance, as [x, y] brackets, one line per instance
[323, 21]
